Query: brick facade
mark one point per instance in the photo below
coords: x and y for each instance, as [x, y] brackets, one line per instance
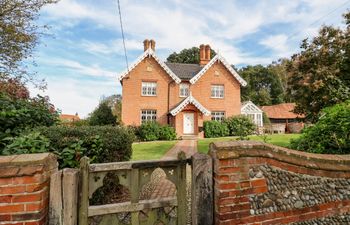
[24, 188]
[168, 94]
[257, 183]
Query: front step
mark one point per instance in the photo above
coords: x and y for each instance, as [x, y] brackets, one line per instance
[189, 137]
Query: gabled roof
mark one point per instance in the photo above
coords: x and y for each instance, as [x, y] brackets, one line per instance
[148, 53]
[184, 71]
[281, 111]
[249, 106]
[216, 58]
[189, 100]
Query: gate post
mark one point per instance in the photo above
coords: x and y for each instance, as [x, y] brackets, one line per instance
[84, 191]
[64, 197]
[202, 190]
[181, 190]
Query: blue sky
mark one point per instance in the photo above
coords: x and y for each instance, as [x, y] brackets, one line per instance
[83, 55]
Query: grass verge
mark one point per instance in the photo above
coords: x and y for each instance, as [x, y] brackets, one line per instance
[150, 150]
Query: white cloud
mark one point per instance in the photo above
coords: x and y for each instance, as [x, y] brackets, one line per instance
[93, 70]
[181, 24]
[72, 10]
[115, 46]
[277, 43]
[71, 96]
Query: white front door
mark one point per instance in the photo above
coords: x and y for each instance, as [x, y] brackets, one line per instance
[188, 123]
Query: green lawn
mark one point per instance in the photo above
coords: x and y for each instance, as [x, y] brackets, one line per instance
[156, 149]
[150, 150]
[276, 139]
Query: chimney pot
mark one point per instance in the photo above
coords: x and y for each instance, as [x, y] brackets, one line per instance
[153, 44]
[207, 52]
[146, 44]
[204, 56]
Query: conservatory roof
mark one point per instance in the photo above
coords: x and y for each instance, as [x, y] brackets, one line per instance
[250, 107]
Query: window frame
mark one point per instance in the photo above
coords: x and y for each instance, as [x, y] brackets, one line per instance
[218, 116]
[180, 90]
[217, 90]
[149, 86]
[148, 113]
[255, 117]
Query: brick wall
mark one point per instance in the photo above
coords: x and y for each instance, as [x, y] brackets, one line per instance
[24, 188]
[257, 183]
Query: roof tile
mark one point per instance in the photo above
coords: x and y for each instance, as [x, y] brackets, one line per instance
[281, 111]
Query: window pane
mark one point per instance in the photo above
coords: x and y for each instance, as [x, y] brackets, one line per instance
[149, 88]
[218, 115]
[148, 115]
[217, 91]
[184, 90]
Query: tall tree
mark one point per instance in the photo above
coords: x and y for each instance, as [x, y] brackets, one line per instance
[279, 69]
[14, 89]
[188, 55]
[318, 76]
[102, 115]
[19, 36]
[115, 102]
[264, 87]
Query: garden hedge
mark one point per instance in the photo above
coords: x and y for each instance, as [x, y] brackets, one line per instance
[101, 143]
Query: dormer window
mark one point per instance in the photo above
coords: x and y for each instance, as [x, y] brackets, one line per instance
[184, 90]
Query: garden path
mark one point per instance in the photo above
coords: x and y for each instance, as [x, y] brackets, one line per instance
[160, 187]
[187, 146]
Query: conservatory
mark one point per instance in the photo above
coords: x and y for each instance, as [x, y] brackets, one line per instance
[252, 111]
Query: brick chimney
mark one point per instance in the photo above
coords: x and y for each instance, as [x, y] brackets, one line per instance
[204, 54]
[146, 44]
[153, 44]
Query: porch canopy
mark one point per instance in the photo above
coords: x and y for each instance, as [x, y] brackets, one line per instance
[189, 100]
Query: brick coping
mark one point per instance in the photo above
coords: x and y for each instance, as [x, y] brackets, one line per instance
[238, 149]
[27, 159]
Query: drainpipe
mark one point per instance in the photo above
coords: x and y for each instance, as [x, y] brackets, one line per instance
[168, 114]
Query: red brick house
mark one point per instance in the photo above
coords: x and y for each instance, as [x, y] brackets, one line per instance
[181, 95]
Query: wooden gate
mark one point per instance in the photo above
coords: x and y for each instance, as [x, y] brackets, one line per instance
[134, 175]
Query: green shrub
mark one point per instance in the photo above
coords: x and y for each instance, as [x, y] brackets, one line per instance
[80, 123]
[149, 131]
[240, 126]
[167, 133]
[100, 143]
[18, 115]
[28, 143]
[152, 131]
[135, 130]
[330, 135]
[215, 128]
